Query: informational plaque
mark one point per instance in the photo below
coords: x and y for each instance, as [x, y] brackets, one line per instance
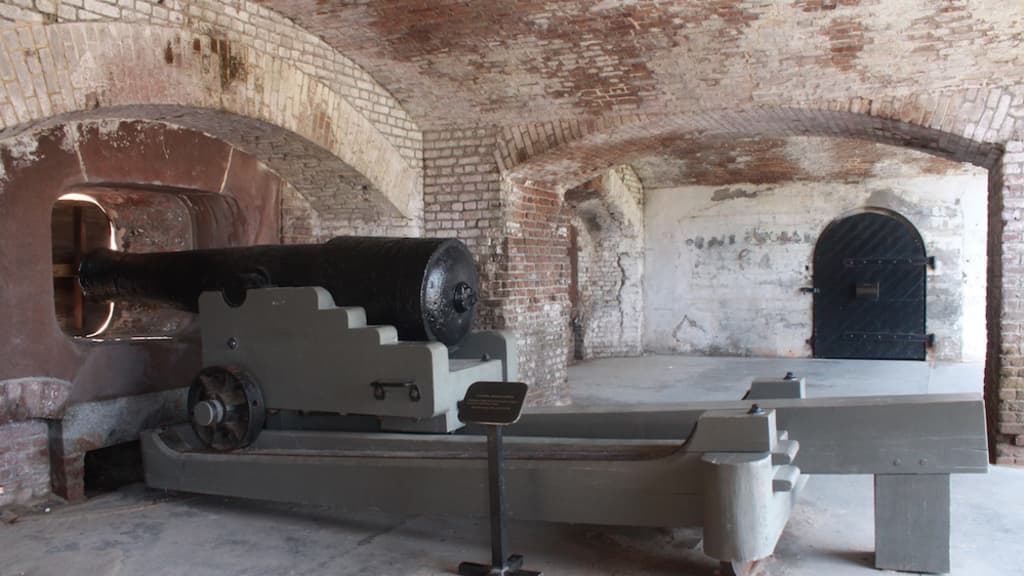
[493, 403]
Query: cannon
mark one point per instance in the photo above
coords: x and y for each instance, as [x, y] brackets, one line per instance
[335, 374]
[426, 288]
[363, 327]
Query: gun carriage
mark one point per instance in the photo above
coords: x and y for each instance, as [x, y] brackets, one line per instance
[332, 375]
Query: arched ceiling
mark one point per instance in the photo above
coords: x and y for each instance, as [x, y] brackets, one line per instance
[481, 62]
[719, 161]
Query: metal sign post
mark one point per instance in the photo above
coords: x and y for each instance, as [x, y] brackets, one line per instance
[495, 405]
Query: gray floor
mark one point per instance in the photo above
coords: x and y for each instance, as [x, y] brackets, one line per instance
[140, 532]
[653, 379]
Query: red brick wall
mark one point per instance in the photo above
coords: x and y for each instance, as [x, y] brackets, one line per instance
[24, 462]
[534, 289]
[24, 451]
[1004, 371]
[519, 236]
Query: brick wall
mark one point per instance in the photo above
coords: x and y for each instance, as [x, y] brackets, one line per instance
[300, 223]
[519, 237]
[534, 292]
[24, 461]
[1004, 374]
[608, 218]
[462, 198]
[251, 24]
[25, 466]
[259, 100]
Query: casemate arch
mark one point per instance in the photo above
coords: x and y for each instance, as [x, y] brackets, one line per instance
[295, 123]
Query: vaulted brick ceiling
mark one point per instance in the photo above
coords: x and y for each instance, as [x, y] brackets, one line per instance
[725, 162]
[473, 62]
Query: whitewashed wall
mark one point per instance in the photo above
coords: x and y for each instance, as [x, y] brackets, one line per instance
[724, 265]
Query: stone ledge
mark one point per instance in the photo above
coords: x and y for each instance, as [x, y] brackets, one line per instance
[92, 425]
[28, 398]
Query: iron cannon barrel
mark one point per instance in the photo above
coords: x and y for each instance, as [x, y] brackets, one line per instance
[425, 287]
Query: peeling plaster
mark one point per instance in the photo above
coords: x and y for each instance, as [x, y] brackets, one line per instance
[724, 194]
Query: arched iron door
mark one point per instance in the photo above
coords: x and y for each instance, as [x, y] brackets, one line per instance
[869, 297]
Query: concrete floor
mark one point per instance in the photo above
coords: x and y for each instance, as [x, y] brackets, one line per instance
[139, 531]
[654, 379]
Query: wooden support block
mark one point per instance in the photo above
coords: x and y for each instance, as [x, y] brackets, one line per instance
[912, 522]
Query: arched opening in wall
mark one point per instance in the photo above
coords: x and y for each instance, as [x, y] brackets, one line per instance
[136, 219]
[605, 235]
[733, 206]
[591, 288]
[870, 286]
[78, 225]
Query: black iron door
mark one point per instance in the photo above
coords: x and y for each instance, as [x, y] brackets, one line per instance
[869, 297]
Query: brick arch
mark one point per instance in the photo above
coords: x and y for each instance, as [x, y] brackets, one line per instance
[982, 127]
[258, 102]
[540, 162]
[968, 126]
